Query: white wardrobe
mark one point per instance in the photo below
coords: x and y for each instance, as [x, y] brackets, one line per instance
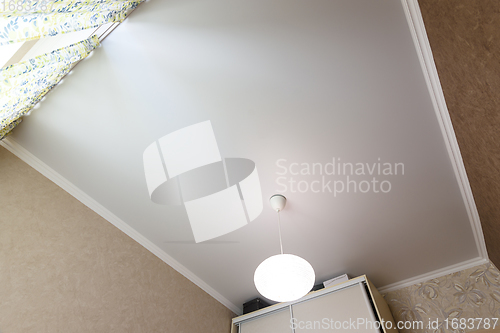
[353, 306]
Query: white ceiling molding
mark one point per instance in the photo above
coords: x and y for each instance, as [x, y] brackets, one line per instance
[44, 169]
[424, 52]
[434, 274]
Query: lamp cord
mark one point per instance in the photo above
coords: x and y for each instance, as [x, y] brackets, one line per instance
[279, 228]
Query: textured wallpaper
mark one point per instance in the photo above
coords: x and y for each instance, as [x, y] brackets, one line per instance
[465, 41]
[63, 268]
[459, 302]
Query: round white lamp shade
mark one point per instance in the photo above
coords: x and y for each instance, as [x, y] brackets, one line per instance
[284, 278]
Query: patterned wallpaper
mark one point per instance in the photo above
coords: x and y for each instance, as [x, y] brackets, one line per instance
[460, 302]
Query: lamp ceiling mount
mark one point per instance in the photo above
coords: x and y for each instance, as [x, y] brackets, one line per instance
[278, 202]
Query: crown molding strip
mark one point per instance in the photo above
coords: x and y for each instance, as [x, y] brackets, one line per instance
[434, 274]
[16, 149]
[424, 52]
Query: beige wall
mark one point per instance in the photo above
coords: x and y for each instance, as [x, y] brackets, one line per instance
[465, 41]
[63, 268]
[469, 294]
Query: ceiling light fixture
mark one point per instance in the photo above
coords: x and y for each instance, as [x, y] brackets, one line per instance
[283, 277]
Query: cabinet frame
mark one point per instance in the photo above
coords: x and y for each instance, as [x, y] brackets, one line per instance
[380, 308]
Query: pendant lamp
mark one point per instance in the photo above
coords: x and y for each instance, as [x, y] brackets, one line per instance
[283, 277]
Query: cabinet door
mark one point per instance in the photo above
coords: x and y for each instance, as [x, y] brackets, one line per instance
[336, 312]
[275, 322]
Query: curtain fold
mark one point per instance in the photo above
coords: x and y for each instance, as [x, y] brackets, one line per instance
[30, 19]
[24, 84]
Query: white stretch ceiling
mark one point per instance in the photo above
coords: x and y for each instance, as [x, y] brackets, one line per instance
[281, 82]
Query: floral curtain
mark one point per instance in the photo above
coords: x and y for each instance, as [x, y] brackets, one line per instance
[24, 84]
[32, 19]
